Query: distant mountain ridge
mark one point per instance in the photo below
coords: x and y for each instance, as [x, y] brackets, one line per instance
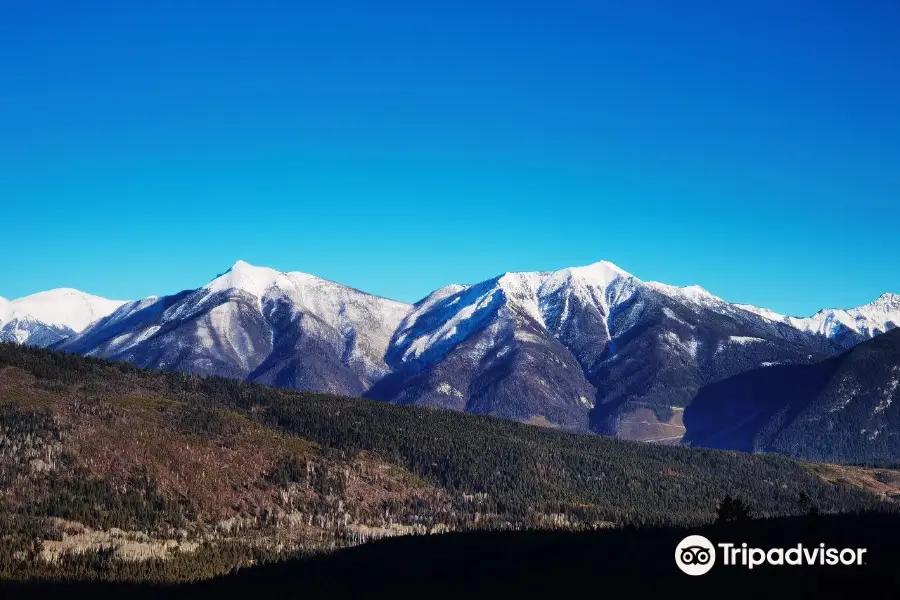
[589, 348]
[869, 320]
[45, 318]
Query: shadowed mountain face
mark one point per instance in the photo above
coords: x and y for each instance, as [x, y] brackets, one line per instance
[587, 348]
[846, 408]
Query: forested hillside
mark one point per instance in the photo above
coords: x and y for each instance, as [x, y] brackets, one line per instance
[110, 471]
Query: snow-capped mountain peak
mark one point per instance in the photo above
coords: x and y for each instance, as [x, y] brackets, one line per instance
[598, 274]
[454, 314]
[603, 274]
[62, 307]
[47, 317]
[599, 271]
[284, 328]
[248, 278]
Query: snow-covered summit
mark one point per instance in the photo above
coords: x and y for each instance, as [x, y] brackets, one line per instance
[246, 277]
[694, 293]
[555, 302]
[334, 304]
[63, 308]
[604, 274]
[264, 281]
[599, 273]
[47, 317]
[546, 298]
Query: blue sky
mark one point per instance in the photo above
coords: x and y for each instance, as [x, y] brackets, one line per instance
[752, 148]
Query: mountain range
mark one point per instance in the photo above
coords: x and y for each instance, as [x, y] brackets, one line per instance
[589, 348]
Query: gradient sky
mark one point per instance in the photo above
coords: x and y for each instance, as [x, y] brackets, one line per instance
[751, 147]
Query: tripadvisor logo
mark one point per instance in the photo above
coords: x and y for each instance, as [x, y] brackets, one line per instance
[696, 555]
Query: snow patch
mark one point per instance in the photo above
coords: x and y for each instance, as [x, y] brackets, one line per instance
[888, 392]
[448, 390]
[690, 346]
[743, 340]
[848, 390]
[671, 314]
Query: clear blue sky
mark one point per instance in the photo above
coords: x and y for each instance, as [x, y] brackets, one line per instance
[750, 147]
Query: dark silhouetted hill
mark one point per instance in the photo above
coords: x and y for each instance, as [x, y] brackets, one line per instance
[637, 562]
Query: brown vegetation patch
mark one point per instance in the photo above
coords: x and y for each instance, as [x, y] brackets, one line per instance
[13, 378]
[642, 424]
[219, 476]
[217, 462]
[882, 482]
[540, 421]
[372, 483]
[75, 538]
[18, 386]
